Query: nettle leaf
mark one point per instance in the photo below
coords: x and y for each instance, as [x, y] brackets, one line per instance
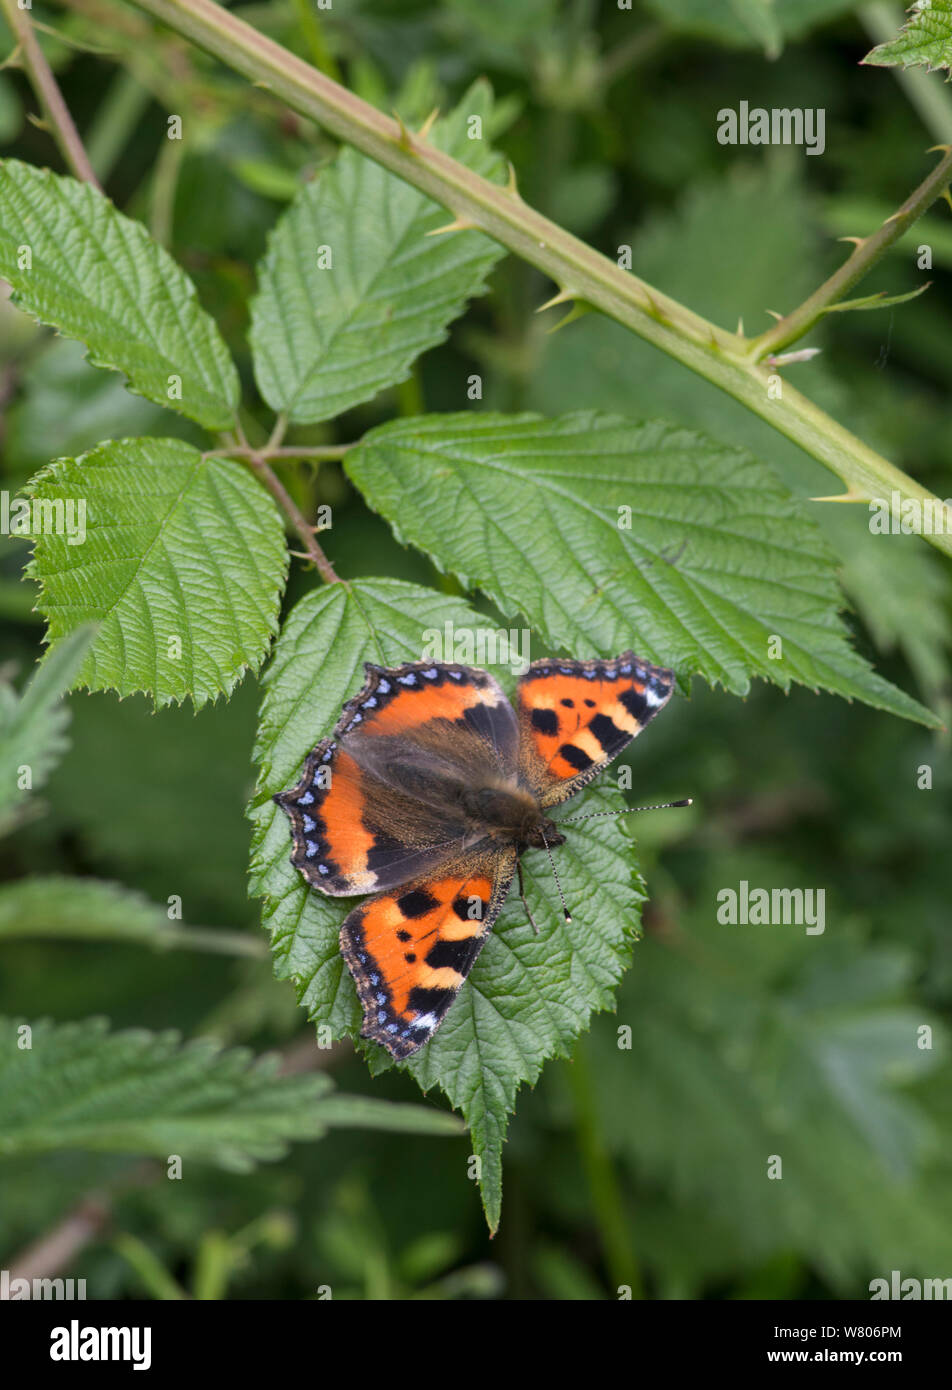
[183, 566]
[59, 907]
[33, 724]
[78, 1086]
[78, 264]
[527, 998]
[926, 38]
[719, 561]
[327, 338]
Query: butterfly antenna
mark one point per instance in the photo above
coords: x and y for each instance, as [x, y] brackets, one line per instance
[522, 894]
[555, 875]
[661, 806]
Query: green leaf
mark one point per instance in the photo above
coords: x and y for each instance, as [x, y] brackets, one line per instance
[759, 265]
[926, 38]
[78, 1086]
[64, 406]
[718, 562]
[32, 726]
[771, 1043]
[527, 997]
[183, 566]
[367, 1112]
[77, 264]
[900, 590]
[326, 339]
[879, 300]
[87, 909]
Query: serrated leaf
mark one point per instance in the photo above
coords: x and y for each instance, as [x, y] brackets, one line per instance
[718, 560]
[78, 1086]
[532, 996]
[759, 264]
[326, 339]
[32, 726]
[179, 549]
[926, 38]
[78, 264]
[527, 997]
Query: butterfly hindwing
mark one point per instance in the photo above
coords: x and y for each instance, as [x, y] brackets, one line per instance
[576, 716]
[410, 949]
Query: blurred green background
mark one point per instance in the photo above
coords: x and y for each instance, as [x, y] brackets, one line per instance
[624, 1167]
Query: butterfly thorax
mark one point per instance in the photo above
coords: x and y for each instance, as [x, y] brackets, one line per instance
[509, 813]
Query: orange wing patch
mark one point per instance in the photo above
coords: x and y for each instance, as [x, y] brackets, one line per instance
[399, 699]
[576, 716]
[411, 949]
[332, 844]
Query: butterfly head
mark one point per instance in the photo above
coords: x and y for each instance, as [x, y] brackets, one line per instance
[544, 834]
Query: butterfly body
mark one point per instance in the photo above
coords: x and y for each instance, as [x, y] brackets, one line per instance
[430, 789]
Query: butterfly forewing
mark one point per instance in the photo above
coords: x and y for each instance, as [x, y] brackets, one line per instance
[576, 716]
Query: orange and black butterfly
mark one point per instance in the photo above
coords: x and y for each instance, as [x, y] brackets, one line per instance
[429, 790]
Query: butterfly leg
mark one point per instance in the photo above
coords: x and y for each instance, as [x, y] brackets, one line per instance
[523, 897]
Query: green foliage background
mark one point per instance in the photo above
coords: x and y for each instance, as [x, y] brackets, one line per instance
[642, 1167]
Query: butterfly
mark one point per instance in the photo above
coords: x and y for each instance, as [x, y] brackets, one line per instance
[427, 793]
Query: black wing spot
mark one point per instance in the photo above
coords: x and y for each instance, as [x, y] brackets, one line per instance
[404, 936]
[479, 718]
[575, 757]
[634, 703]
[545, 720]
[417, 903]
[607, 732]
[430, 1001]
[458, 955]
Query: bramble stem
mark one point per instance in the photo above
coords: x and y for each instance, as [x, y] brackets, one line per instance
[867, 252]
[582, 273]
[259, 466]
[58, 120]
[323, 452]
